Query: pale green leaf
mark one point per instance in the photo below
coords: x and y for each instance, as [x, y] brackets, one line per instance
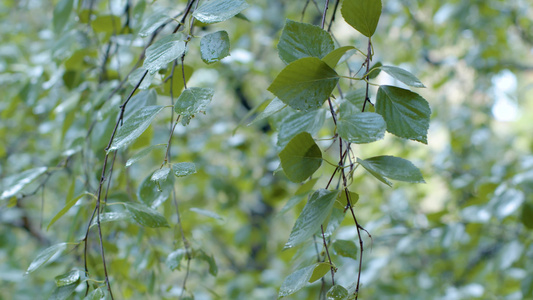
[214, 46]
[152, 23]
[305, 83]
[346, 248]
[296, 281]
[301, 157]
[173, 260]
[162, 52]
[145, 215]
[363, 15]
[213, 268]
[205, 212]
[193, 100]
[107, 24]
[153, 194]
[333, 58]
[136, 76]
[134, 126]
[113, 216]
[299, 40]
[320, 270]
[335, 219]
[141, 154]
[361, 128]
[273, 107]
[337, 292]
[391, 167]
[61, 14]
[183, 169]
[63, 292]
[313, 215]
[176, 80]
[97, 294]
[356, 98]
[403, 76]
[214, 11]
[160, 174]
[15, 183]
[406, 113]
[67, 207]
[298, 122]
[44, 256]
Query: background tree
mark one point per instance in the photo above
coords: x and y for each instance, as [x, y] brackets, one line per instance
[65, 66]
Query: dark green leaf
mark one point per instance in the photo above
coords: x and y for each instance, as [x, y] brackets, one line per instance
[183, 169]
[193, 100]
[298, 122]
[391, 167]
[320, 270]
[299, 40]
[333, 58]
[301, 157]
[527, 215]
[215, 11]
[214, 46]
[134, 126]
[162, 52]
[406, 113]
[145, 215]
[61, 14]
[313, 215]
[403, 76]
[153, 194]
[44, 256]
[213, 269]
[337, 292]
[305, 84]
[361, 128]
[346, 248]
[15, 183]
[375, 70]
[141, 154]
[363, 15]
[296, 281]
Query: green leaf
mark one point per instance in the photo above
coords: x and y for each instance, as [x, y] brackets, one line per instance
[335, 219]
[313, 215]
[160, 174]
[403, 76]
[44, 256]
[205, 212]
[273, 107]
[391, 167]
[183, 169]
[152, 23]
[213, 269]
[134, 126]
[337, 292]
[141, 154]
[113, 216]
[214, 46]
[15, 183]
[107, 24]
[67, 207]
[97, 294]
[298, 122]
[63, 292]
[173, 261]
[301, 157]
[527, 215]
[193, 100]
[305, 84]
[363, 15]
[61, 14]
[177, 80]
[296, 281]
[299, 40]
[145, 215]
[356, 98]
[333, 58]
[406, 113]
[346, 248]
[215, 11]
[68, 278]
[354, 198]
[361, 128]
[375, 70]
[153, 194]
[162, 52]
[136, 76]
[320, 270]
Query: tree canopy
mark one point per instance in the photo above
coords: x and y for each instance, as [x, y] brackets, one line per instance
[232, 149]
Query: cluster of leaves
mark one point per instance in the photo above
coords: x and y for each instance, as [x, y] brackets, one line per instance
[464, 235]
